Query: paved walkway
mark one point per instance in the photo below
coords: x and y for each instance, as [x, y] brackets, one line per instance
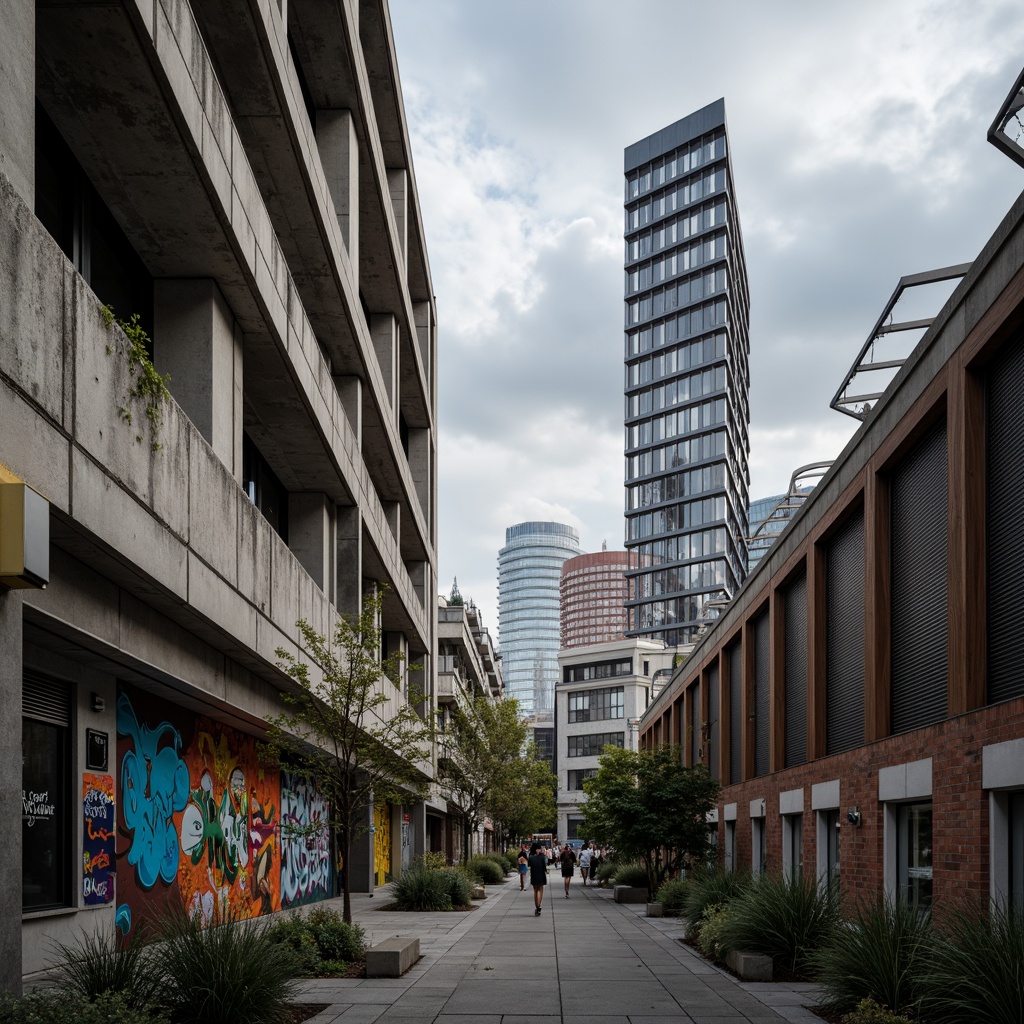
[585, 960]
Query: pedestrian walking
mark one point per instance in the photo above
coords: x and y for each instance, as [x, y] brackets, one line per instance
[568, 861]
[586, 857]
[524, 866]
[538, 875]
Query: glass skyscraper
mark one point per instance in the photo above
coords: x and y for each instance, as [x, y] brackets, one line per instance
[687, 378]
[529, 572]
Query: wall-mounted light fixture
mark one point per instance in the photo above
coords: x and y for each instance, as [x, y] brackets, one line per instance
[853, 815]
[99, 705]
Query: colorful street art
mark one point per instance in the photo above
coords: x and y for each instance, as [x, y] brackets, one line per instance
[198, 815]
[98, 839]
[381, 843]
[305, 842]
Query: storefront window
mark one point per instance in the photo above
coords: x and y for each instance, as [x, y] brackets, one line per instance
[914, 853]
[45, 844]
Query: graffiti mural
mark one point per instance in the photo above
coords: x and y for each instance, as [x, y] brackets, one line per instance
[305, 842]
[381, 843]
[98, 839]
[198, 815]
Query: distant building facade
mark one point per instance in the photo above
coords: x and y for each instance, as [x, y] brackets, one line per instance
[529, 571]
[593, 593]
[758, 512]
[687, 378]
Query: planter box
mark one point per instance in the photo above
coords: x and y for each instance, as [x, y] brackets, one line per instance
[655, 910]
[750, 966]
[630, 894]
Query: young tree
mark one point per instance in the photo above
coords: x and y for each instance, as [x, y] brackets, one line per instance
[649, 807]
[347, 726]
[482, 737]
[524, 801]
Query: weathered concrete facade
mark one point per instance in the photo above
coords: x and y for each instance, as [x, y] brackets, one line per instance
[239, 176]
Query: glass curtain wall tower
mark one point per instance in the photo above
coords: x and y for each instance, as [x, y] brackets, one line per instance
[687, 379]
[529, 572]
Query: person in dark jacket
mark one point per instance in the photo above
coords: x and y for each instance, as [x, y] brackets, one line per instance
[568, 861]
[538, 875]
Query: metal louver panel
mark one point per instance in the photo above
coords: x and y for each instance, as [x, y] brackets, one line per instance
[762, 693]
[695, 723]
[918, 503]
[844, 638]
[713, 706]
[736, 713]
[796, 672]
[1005, 526]
[46, 700]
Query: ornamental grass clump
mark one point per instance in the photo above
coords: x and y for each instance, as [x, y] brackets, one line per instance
[784, 918]
[976, 968]
[672, 895]
[458, 886]
[422, 890]
[486, 870]
[633, 875]
[105, 962]
[882, 954]
[710, 887]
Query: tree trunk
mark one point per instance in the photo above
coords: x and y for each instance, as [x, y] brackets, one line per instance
[346, 889]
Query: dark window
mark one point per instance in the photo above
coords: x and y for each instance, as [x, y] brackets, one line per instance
[46, 793]
[597, 670]
[796, 672]
[918, 515]
[735, 661]
[1005, 526]
[762, 693]
[844, 631]
[596, 705]
[914, 854]
[263, 488]
[576, 777]
[594, 744]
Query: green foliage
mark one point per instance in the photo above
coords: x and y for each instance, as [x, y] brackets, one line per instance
[634, 875]
[709, 930]
[976, 968]
[486, 870]
[524, 801]
[422, 890]
[148, 387]
[430, 859]
[347, 725]
[104, 962]
[882, 955]
[785, 919]
[459, 887]
[61, 1007]
[229, 971]
[651, 808]
[869, 1012]
[711, 887]
[672, 895]
[606, 871]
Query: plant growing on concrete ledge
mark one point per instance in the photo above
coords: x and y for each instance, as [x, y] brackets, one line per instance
[346, 727]
[149, 387]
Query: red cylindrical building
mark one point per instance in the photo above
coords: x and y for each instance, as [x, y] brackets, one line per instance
[592, 594]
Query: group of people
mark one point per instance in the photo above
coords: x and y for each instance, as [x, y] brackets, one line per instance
[535, 863]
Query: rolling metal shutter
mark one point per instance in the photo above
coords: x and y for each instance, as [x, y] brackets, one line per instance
[713, 705]
[695, 723]
[45, 700]
[762, 693]
[1005, 525]
[796, 672]
[736, 713]
[918, 502]
[844, 634]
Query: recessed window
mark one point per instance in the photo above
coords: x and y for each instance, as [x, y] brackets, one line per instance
[793, 846]
[263, 488]
[914, 854]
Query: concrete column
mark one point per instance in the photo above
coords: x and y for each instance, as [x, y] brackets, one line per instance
[360, 865]
[419, 829]
[11, 647]
[423, 319]
[18, 110]
[350, 392]
[384, 333]
[197, 341]
[310, 539]
[419, 576]
[393, 514]
[349, 560]
[398, 190]
[419, 466]
[339, 154]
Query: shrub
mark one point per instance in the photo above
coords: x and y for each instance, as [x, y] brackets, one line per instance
[499, 859]
[430, 859]
[634, 875]
[106, 963]
[672, 895]
[61, 1007]
[976, 968]
[869, 1012]
[336, 941]
[293, 932]
[786, 919]
[422, 890]
[709, 930]
[229, 971]
[486, 870]
[458, 886]
[712, 888]
[606, 871]
[881, 955]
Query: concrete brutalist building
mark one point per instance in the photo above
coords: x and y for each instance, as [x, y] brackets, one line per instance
[238, 176]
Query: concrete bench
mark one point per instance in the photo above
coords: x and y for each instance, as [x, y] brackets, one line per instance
[629, 894]
[749, 966]
[392, 957]
[655, 910]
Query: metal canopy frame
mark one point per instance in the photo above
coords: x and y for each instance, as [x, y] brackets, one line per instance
[1008, 113]
[859, 405]
[800, 489]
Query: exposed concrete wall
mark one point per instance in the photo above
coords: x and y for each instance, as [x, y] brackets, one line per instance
[311, 537]
[338, 144]
[18, 88]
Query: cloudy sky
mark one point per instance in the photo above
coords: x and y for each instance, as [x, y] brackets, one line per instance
[857, 135]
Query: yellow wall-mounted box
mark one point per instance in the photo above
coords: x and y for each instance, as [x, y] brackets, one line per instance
[24, 537]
